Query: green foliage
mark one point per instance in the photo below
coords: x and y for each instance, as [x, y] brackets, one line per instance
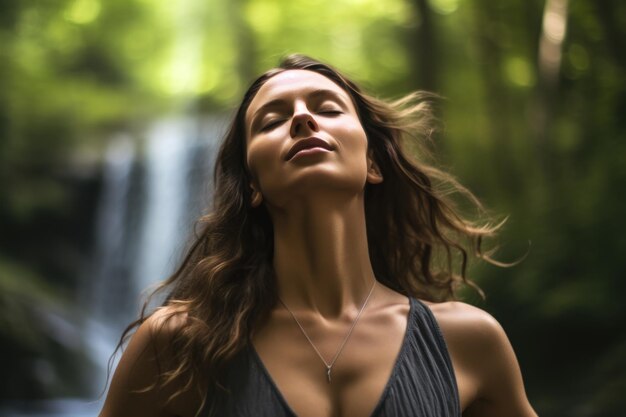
[42, 361]
[19, 291]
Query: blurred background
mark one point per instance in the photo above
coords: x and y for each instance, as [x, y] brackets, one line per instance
[111, 111]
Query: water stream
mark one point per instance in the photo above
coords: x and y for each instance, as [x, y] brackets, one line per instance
[153, 190]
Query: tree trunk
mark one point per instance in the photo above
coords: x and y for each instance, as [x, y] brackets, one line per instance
[422, 47]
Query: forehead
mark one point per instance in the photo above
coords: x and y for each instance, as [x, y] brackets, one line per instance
[292, 84]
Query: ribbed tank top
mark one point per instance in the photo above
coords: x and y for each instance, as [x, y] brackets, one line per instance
[422, 382]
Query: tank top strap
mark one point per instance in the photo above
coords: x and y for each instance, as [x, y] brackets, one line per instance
[425, 383]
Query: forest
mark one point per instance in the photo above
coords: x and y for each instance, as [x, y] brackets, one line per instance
[532, 116]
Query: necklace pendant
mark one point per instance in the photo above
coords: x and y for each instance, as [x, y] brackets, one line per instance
[345, 340]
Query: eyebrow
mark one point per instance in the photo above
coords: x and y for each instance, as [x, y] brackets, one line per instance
[320, 92]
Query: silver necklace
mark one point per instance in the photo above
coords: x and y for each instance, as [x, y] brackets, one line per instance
[329, 366]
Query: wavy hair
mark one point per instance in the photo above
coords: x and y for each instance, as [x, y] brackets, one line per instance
[420, 243]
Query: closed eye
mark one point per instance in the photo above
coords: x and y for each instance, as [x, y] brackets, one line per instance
[329, 111]
[271, 125]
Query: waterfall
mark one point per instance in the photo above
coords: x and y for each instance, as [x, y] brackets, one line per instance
[109, 278]
[148, 211]
[163, 220]
[153, 189]
[150, 202]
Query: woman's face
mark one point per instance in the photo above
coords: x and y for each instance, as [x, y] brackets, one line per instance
[303, 134]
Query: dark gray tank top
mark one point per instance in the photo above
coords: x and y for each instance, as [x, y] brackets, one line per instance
[422, 382]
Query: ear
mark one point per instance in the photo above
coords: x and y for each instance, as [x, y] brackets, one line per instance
[257, 197]
[374, 175]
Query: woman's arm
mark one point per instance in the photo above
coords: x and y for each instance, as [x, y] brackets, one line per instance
[133, 391]
[487, 369]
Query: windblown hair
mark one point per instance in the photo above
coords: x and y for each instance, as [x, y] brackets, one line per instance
[419, 243]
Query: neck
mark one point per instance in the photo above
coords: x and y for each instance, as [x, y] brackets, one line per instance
[321, 256]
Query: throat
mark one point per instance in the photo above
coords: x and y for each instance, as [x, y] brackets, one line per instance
[321, 262]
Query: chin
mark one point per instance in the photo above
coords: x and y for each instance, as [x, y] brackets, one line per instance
[313, 182]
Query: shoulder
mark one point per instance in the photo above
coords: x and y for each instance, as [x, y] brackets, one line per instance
[154, 337]
[462, 322]
[484, 360]
[164, 324]
[135, 389]
[472, 335]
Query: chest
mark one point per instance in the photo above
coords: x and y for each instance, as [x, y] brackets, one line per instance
[359, 375]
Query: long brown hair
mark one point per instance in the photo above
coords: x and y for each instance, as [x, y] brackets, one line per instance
[419, 243]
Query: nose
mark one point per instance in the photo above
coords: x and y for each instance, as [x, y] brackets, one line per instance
[303, 123]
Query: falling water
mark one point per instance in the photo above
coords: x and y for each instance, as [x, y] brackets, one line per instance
[153, 190]
[164, 220]
[165, 191]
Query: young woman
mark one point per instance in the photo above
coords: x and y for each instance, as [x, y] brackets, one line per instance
[319, 284]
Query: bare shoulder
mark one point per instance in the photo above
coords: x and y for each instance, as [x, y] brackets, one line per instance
[134, 389]
[462, 322]
[155, 335]
[487, 369]
[472, 335]
[165, 323]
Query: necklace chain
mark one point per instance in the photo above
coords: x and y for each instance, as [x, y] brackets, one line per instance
[329, 366]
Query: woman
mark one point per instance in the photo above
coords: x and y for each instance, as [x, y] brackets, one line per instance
[315, 286]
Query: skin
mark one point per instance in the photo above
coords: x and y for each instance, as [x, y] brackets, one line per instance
[324, 273]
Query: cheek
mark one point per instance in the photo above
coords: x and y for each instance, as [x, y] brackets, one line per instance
[261, 158]
[354, 139]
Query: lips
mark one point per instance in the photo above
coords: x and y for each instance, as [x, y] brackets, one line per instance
[307, 144]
